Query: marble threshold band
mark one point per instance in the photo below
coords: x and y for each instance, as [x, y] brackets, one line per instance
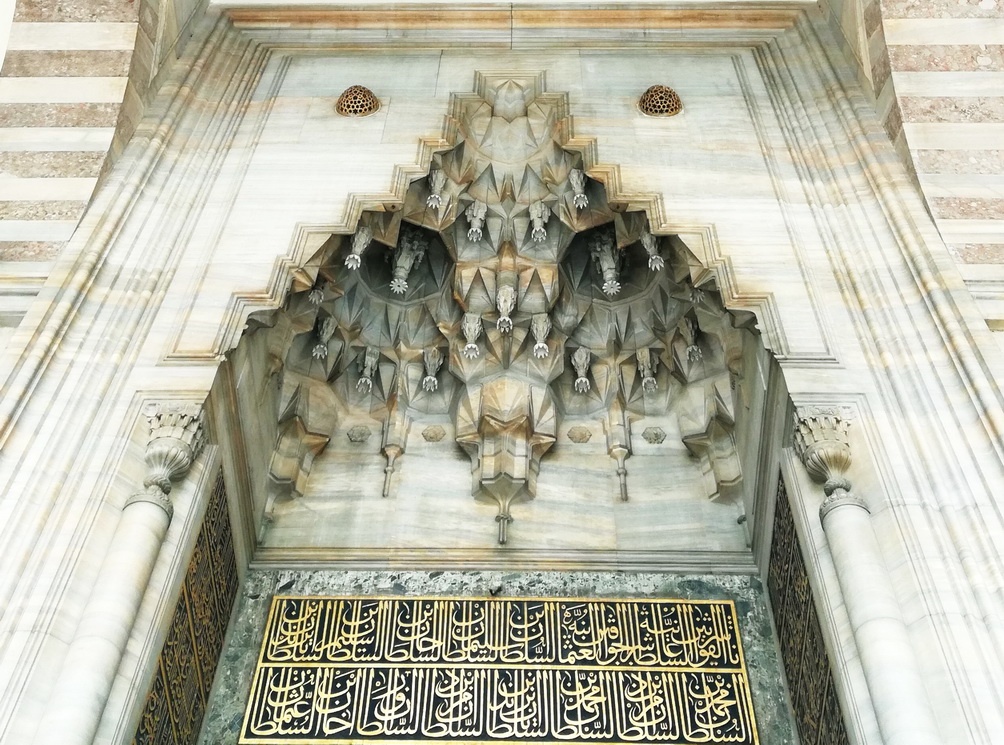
[676, 562]
[926, 31]
[95, 36]
[53, 139]
[950, 83]
[55, 188]
[62, 89]
[954, 135]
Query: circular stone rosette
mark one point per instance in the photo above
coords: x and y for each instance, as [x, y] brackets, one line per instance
[357, 100]
[659, 100]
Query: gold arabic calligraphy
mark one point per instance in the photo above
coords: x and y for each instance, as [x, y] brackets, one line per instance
[473, 670]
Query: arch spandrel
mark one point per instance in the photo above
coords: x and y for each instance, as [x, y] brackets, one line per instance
[676, 173]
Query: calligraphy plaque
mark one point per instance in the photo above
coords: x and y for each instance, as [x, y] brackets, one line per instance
[471, 670]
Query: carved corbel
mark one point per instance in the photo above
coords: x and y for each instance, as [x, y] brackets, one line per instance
[540, 326]
[360, 241]
[175, 441]
[618, 433]
[370, 359]
[476, 214]
[578, 181]
[324, 334]
[395, 437]
[471, 326]
[581, 358]
[648, 365]
[505, 302]
[432, 359]
[538, 218]
[437, 182]
[822, 444]
[688, 330]
[307, 417]
[651, 245]
[408, 256]
[607, 260]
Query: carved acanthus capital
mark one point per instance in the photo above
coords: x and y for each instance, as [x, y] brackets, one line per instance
[176, 438]
[821, 442]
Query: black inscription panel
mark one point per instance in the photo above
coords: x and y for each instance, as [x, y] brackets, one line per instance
[343, 669]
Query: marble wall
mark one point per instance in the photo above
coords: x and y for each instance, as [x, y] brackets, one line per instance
[778, 175]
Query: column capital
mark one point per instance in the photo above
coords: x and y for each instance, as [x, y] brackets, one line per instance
[176, 437]
[153, 495]
[822, 444]
[840, 498]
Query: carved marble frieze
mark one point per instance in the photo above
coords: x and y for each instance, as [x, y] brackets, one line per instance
[508, 292]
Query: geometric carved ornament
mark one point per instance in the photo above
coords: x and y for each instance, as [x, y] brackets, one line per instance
[508, 291]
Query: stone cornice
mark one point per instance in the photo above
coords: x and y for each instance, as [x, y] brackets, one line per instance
[520, 23]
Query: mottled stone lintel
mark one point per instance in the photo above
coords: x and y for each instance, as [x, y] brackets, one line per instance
[945, 58]
[66, 63]
[948, 109]
[58, 114]
[42, 210]
[51, 163]
[985, 162]
[935, 9]
[29, 250]
[978, 253]
[964, 208]
[55, 11]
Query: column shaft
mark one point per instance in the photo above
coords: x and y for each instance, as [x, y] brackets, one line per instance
[92, 661]
[882, 638]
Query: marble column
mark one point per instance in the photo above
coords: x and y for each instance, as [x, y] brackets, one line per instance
[85, 680]
[882, 639]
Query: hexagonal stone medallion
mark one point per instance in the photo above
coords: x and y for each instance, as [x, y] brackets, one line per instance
[653, 435]
[433, 433]
[359, 433]
[579, 434]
